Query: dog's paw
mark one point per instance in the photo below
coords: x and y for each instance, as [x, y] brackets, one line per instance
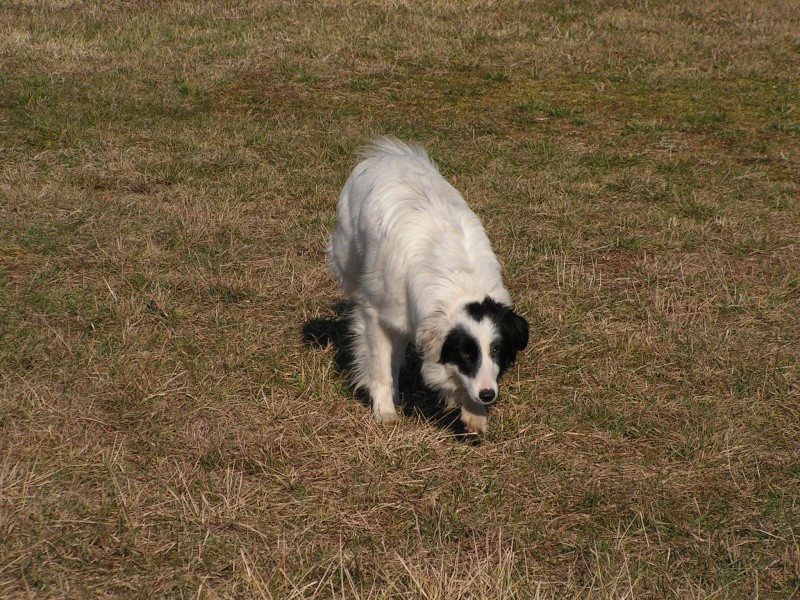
[473, 423]
[384, 418]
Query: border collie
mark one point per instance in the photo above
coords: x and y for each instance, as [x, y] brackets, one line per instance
[417, 264]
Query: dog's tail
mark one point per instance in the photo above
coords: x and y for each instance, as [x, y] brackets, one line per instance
[391, 146]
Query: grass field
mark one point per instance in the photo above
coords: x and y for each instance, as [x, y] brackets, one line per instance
[175, 418]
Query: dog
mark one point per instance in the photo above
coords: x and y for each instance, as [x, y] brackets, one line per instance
[418, 267]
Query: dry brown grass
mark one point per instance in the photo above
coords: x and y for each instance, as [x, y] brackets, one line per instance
[168, 176]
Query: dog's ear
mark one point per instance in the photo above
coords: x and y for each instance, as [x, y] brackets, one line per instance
[429, 338]
[517, 328]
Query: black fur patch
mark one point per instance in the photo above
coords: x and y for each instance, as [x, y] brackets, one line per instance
[513, 329]
[490, 308]
[461, 349]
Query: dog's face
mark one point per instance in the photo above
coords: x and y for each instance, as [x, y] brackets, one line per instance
[482, 345]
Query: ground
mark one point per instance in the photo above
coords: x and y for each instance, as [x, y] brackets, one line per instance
[175, 417]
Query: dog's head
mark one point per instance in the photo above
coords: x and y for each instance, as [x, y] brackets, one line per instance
[481, 345]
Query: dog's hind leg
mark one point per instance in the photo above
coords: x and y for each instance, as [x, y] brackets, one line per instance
[399, 347]
[379, 366]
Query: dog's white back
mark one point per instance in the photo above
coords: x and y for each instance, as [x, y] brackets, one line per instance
[410, 254]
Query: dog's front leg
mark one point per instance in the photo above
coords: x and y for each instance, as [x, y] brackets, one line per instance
[381, 345]
[473, 415]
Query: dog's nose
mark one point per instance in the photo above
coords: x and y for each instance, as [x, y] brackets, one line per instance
[486, 395]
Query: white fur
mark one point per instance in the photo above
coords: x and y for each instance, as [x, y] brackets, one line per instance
[410, 254]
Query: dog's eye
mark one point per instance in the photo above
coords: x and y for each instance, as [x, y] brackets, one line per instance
[465, 355]
[494, 351]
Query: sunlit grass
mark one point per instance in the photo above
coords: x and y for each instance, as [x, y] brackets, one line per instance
[174, 412]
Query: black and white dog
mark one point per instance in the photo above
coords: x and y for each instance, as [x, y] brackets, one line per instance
[417, 264]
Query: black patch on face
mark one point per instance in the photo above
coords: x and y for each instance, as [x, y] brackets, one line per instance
[461, 349]
[490, 308]
[512, 328]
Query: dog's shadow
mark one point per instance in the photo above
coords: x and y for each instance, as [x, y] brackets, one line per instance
[418, 401]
